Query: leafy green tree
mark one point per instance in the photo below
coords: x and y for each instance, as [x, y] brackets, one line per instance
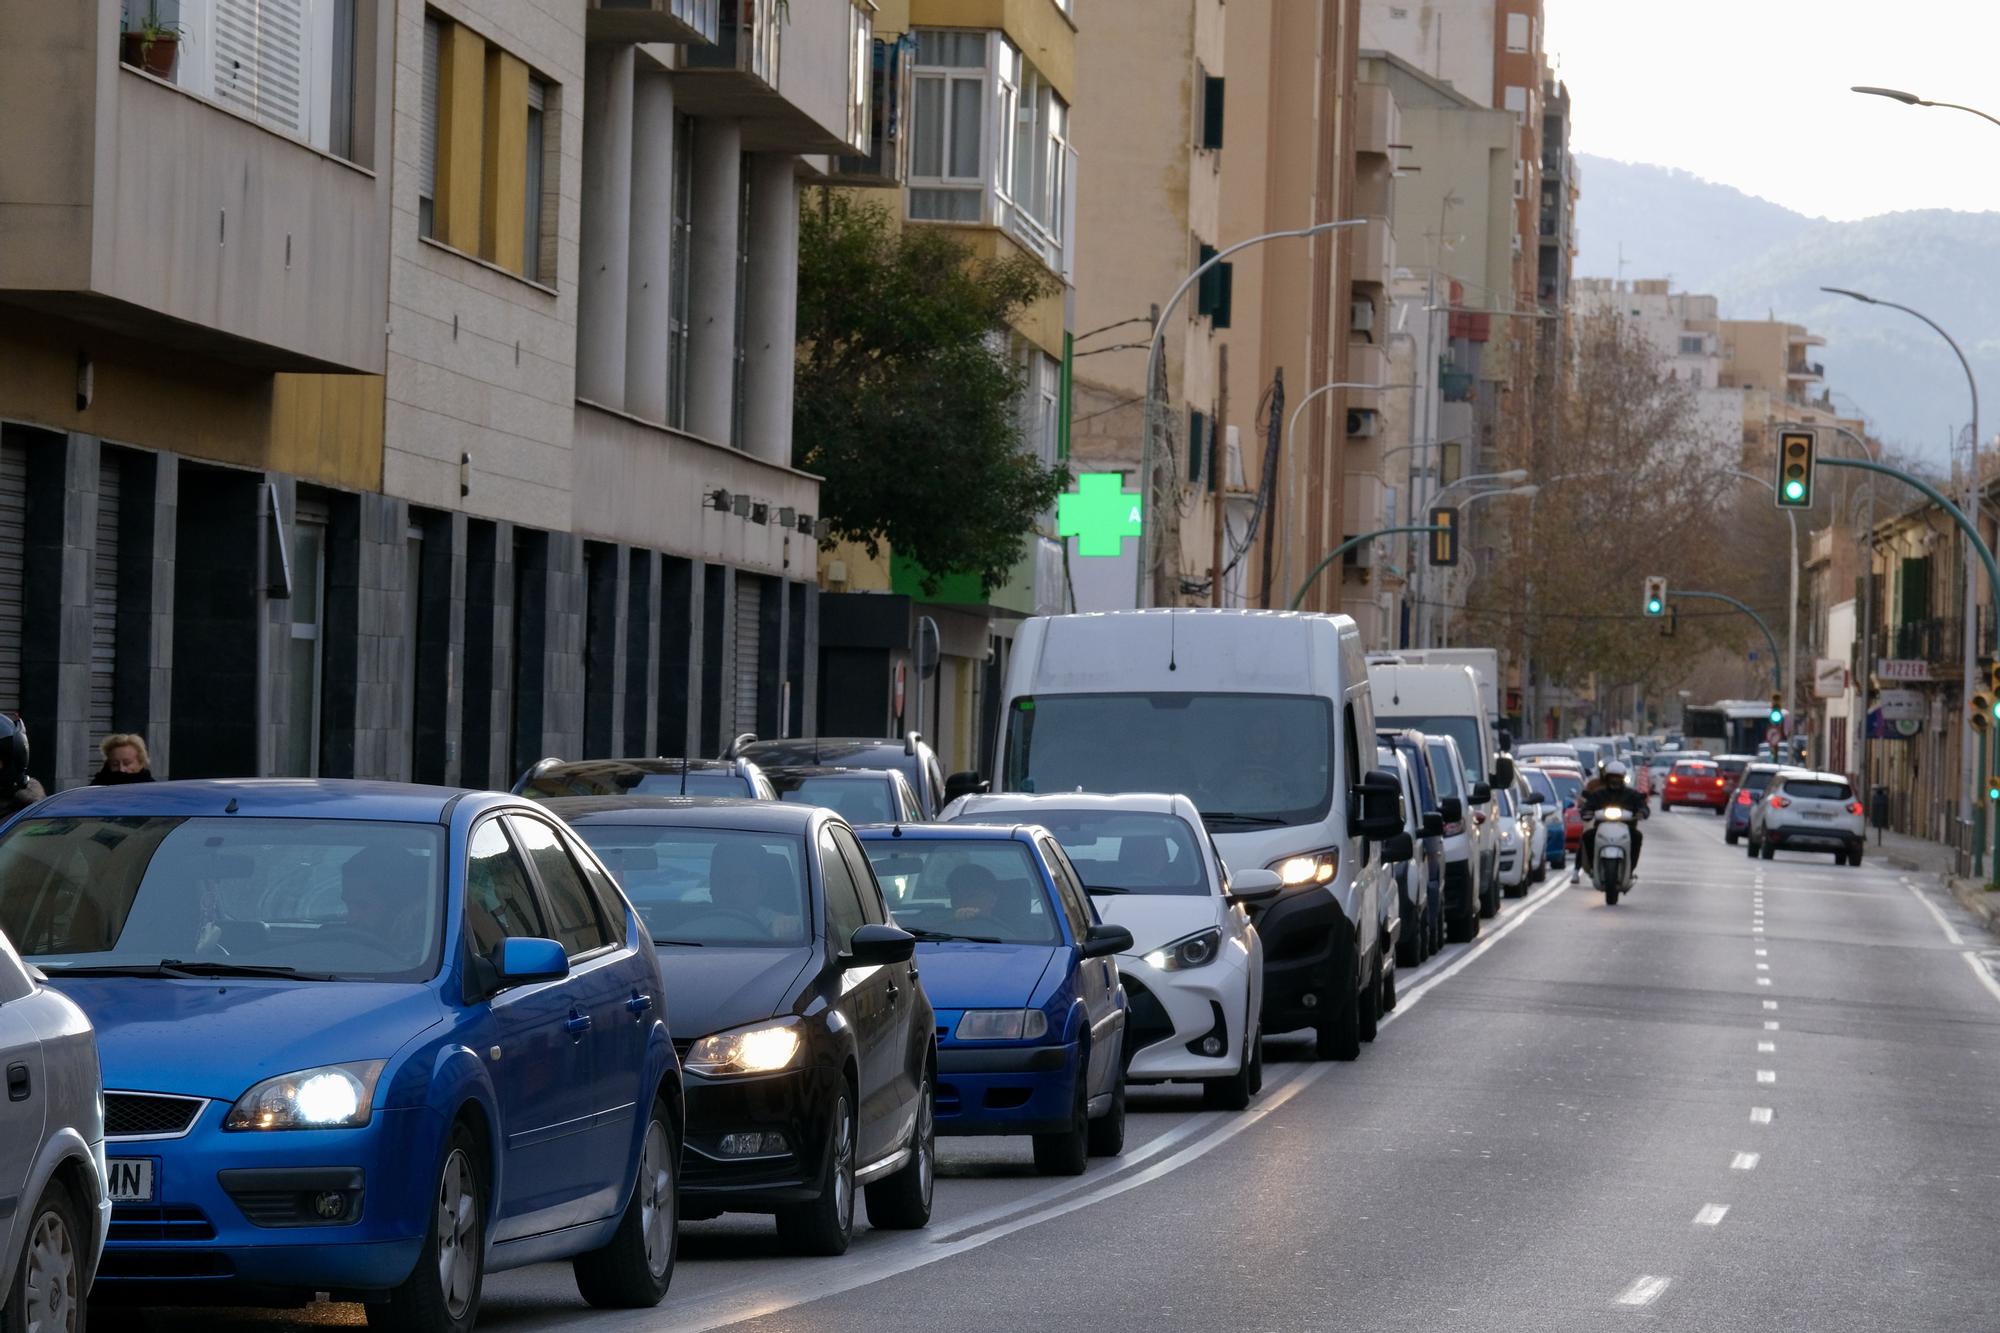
[908, 402]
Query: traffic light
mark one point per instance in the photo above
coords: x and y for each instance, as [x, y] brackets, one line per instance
[1656, 596]
[1777, 709]
[1796, 451]
[1993, 676]
[1993, 789]
[1981, 709]
[1444, 543]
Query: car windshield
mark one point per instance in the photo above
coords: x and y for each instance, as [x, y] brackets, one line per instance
[726, 887]
[1464, 730]
[1539, 783]
[1261, 758]
[1126, 851]
[1817, 789]
[1687, 769]
[981, 890]
[1569, 786]
[1445, 770]
[858, 800]
[340, 898]
[630, 780]
[1756, 779]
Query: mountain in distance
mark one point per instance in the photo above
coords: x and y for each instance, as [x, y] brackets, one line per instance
[1763, 261]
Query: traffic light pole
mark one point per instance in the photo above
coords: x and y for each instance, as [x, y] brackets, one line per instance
[1349, 545]
[1985, 555]
[1769, 637]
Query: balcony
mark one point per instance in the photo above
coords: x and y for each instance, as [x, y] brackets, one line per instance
[1805, 370]
[817, 101]
[1939, 642]
[887, 163]
[220, 203]
[1377, 123]
[1373, 251]
[1367, 363]
[669, 21]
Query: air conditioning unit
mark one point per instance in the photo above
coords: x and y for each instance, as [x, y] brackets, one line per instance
[1362, 556]
[1363, 423]
[1361, 319]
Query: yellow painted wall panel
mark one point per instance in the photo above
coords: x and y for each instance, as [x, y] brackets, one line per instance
[1044, 34]
[504, 174]
[461, 124]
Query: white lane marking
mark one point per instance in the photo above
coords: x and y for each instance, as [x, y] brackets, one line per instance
[1711, 1215]
[1950, 932]
[1979, 969]
[1644, 1291]
[1760, 1115]
[1763, 953]
[1767, 1048]
[1770, 1004]
[1767, 1076]
[1743, 1161]
[1770, 1025]
[1763, 981]
[1763, 967]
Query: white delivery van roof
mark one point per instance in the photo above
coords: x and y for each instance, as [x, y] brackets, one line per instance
[1186, 649]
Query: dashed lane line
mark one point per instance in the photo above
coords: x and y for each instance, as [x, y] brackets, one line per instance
[1760, 1115]
[1711, 1215]
[1743, 1161]
[1644, 1291]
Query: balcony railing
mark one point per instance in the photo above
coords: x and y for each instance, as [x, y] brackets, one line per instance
[748, 38]
[1939, 642]
[651, 20]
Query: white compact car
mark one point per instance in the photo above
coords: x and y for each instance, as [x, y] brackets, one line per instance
[1195, 975]
[1801, 811]
[1514, 859]
[55, 1204]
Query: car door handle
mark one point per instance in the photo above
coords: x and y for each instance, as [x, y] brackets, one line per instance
[18, 1086]
[577, 1024]
[639, 1003]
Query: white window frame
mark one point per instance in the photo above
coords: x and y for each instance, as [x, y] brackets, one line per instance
[985, 76]
[1520, 33]
[1515, 99]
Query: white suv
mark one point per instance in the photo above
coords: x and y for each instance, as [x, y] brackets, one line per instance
[1806, 811]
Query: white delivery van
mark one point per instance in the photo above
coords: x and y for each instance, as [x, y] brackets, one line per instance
[1445, 700]
[1264, 720]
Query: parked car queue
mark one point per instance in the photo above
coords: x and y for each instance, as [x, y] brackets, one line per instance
[380, 1041]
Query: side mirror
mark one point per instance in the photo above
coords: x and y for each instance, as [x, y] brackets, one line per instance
[520, 962]
[965, 784]
[1377, 809]
[1433, 824]
[1503, 771]
[877, 946]
[1451, 810]
[1506, 740]
[1102, 941]
[1254, 886]
[1535, 798]
[1402, 847]
[1481, 793]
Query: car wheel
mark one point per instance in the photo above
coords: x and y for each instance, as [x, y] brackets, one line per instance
[49, 1283]
[1517, 890]
[441, 1294]
[1389, 990]
[1234, 1092]
[1721, 810]
[1664, 806]
[1766, 850]
[1410, 946]
[1106, 1136]
[633, 1270]
[902, 1202]
[1854, 857]
[1257, 1060]
[1368, 1006]
[826, 1225]
[1339, 1038]
[1067, 1152]
[1750, 848]
[1729, 837]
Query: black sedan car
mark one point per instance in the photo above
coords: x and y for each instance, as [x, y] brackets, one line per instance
[910, 756]
[808, 1050]
[552, 779]
[858, 795]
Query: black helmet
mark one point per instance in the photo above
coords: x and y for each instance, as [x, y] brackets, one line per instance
[13, 754]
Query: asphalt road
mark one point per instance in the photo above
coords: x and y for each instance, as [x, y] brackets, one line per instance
[1752, 1096]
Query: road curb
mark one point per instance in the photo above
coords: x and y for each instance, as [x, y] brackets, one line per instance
[1977, 899]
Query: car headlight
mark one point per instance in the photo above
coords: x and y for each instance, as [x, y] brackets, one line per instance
[1197, 950]
[764, 1049]
[1308, 868]
[1001, 1025]
[328, 1097]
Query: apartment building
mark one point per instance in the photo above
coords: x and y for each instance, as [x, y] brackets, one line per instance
[308, 438]
[1148, 213]
[986, 90]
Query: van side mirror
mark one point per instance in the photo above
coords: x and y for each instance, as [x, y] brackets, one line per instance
[1451, 810]
[1503, 771]
[1377, 808]
[1433, 824]
[1481, 793]
[1402, 847]
[1101, 941]
[965, 784]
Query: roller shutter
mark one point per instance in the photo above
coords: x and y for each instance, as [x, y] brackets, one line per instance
[104, 601]
[13, 563]
[749, 647]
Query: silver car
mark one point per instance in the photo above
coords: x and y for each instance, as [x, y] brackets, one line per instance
[1803, 811]
[55, 1201]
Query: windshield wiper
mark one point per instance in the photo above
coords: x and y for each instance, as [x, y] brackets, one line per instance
[685, 944]
[1233, 817]
[923, 934]
[104, 970]
[1104, 888]
[174, 967]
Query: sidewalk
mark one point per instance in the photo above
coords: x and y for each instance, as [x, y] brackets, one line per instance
[1934, 858]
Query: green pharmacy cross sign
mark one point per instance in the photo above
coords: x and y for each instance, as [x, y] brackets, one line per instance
[1100, 515]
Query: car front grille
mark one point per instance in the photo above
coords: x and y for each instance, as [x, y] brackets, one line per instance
[134, 1115]
[148, 1223]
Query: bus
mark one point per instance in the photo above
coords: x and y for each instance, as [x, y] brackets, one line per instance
[1733, 726]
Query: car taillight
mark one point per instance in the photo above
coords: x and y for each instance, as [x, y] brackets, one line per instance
[1720, 782]
[1854, 807]
[1779, 802]
[1743, 798]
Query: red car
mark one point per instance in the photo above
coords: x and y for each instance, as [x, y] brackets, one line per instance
[1568, 780]
[1695, 782]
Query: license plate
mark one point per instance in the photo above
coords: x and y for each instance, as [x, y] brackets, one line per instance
[131, 1179]
[1814, 814]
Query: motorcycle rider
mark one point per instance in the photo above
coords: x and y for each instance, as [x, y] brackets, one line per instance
[17, 789]
[1607, 789]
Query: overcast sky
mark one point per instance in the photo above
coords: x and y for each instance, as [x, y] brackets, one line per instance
[1754, 94]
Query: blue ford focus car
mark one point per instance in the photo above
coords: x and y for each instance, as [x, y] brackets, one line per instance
[360, 1038]
[1031, 1016]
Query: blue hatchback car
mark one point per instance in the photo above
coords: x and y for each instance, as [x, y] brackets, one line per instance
[1031, 1016]
[360, 1038]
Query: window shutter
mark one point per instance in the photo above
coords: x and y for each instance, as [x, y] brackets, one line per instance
[1206, 290]
[260, 60]
[1211, 111]
[1225, 290]
[1197, 445]
[428, 130]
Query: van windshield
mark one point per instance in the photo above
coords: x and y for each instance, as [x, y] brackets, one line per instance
[1243, 759]
[1464, 730]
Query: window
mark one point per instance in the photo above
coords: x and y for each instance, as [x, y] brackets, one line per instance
[843, 900]
[531, 210]
[573, 916]
[1213, 294]
[303, 657]
[499, 904]
[947, 126]
[1197, 445]
[1069, 889]
[977, 888]
[473, 193]
[681, 242]
[1211, 110]
[1691, 345]
[873, 910]
[698, 886]
[1517, 101]
[1518, 33]
[427, 133]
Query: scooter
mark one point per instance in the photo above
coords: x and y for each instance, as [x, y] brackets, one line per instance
[1611, 860]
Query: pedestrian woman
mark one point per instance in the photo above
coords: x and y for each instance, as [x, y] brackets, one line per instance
[125, 760]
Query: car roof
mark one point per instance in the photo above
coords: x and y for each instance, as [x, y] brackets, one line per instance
[954, 832]
[643, 764]
[1764, 766]
[1159, 803]
[1710, 760]
[794, 771]
[293, 798]
[1811, 775]
[823, 750]
[687, 812]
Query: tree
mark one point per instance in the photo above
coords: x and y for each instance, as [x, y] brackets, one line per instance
[908, 402]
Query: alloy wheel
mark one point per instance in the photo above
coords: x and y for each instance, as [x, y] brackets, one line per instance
[843, 1163]
[457, 1234]
[52, 1276]
[656, 1199]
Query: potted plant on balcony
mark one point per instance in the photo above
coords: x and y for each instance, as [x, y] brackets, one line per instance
[152, 45]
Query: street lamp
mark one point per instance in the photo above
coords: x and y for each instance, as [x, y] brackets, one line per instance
[1971, 665]
[1154, 352]
[1291, 430]
[1911, 99]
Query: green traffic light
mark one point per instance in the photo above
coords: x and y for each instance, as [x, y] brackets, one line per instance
[1993, 791]
[1653, 608]
[1795, 489]
[1777, 715]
